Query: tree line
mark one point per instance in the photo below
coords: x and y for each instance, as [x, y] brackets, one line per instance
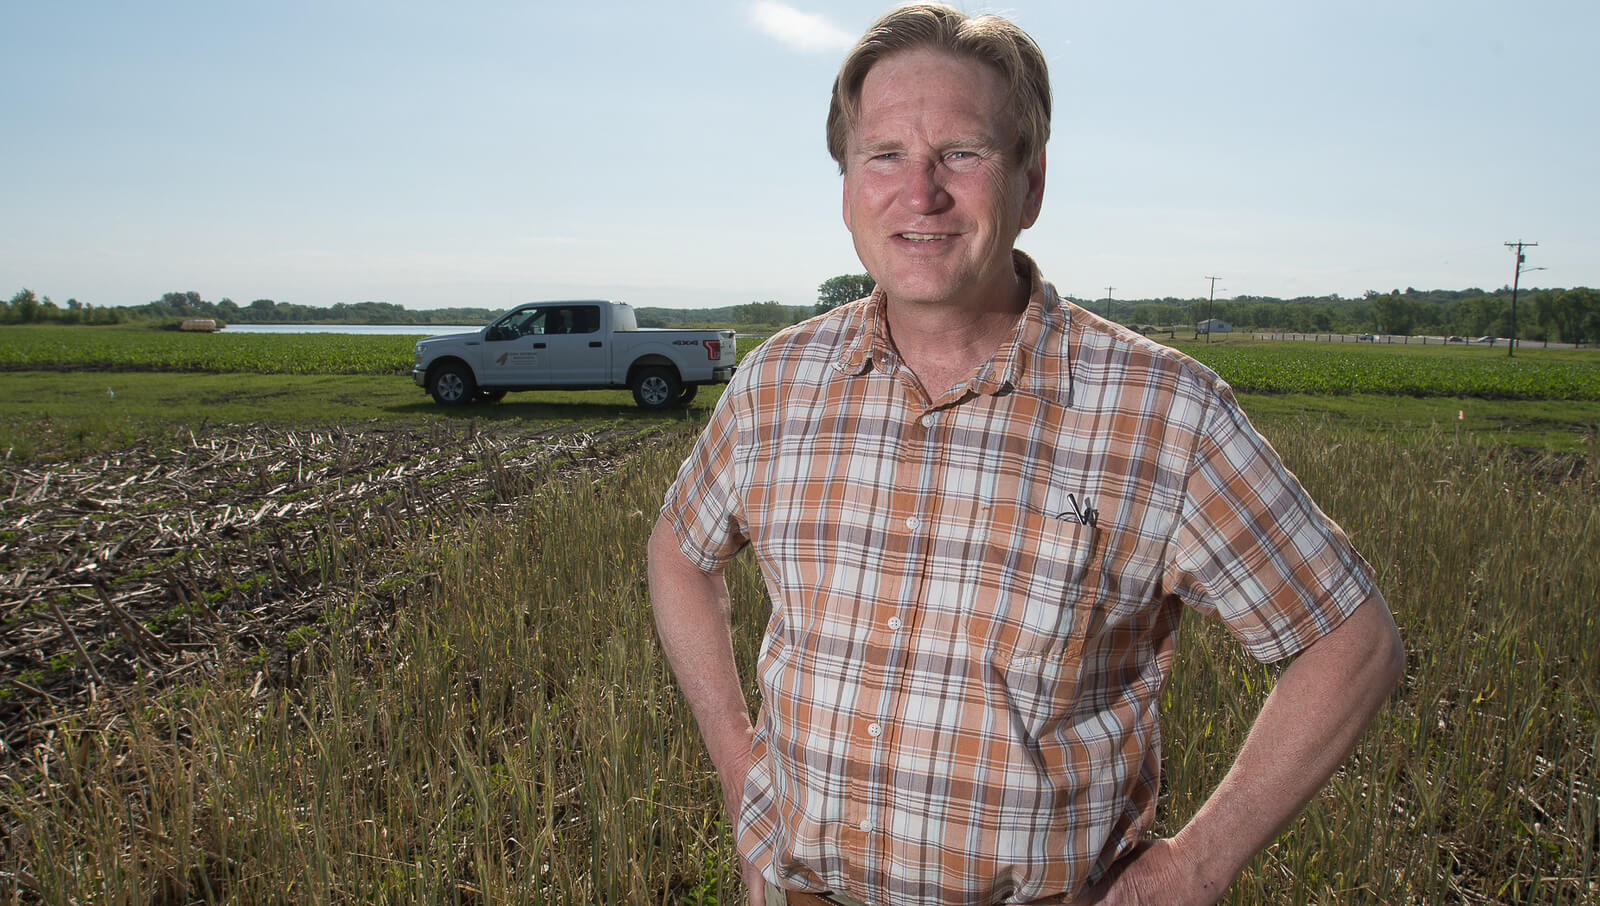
[28, 308]
[1557, 315]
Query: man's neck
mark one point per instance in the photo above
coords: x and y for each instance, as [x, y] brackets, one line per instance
[944, 343]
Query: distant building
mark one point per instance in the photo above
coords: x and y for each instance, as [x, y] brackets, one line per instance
[1214, 325]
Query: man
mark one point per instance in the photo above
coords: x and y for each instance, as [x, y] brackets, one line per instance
[979, 511]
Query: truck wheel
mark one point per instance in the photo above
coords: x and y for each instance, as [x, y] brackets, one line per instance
[452, 385]
[656, 388]
[687, 396]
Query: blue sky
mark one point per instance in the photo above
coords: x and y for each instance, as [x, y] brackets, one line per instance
[490, 153]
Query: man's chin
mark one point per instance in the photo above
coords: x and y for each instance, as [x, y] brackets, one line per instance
[928, 290]
[922, 296]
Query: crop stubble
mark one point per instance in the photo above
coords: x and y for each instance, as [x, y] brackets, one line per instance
[146, 565]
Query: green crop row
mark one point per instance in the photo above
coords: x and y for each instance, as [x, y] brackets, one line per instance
[1292, 367]
[143, 349]
[1309, 368]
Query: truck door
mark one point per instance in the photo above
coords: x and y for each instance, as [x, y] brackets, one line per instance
[574, 350]
[513, 354]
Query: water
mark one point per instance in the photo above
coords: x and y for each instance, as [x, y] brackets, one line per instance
[421, 330]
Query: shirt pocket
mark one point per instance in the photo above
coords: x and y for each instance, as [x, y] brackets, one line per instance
[1033, 605]
[1030, 584]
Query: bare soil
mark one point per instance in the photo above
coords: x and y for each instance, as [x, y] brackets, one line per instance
[159, 563]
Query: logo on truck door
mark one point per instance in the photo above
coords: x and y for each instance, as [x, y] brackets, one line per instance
[517, 358]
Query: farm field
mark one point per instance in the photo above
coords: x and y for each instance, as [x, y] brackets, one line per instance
[307, 638]
[1250, 366]
[55, 347]
[1292, 367]
[105, 382]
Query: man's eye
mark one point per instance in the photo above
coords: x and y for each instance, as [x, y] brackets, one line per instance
[962, 160]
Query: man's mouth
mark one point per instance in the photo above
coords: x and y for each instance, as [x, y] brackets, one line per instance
[924, 237]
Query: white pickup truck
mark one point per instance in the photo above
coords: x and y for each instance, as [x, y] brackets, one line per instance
[585, 345]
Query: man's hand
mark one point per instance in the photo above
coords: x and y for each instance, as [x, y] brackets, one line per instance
[756, 884]
[1155, 873]
[732, 775]
[1317, 710]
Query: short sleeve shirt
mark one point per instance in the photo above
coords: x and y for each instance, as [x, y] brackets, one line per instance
[975, 596]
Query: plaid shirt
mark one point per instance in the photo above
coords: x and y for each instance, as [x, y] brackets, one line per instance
[975, 598]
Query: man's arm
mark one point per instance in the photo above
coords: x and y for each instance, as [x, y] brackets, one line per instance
[694, 621]
[1316, 712]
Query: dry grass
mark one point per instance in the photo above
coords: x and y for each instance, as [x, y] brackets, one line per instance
[1479, 783]
[514, 736]
[158, 561]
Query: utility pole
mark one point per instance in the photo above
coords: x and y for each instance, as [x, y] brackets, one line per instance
[1211, 305]
[1519, 245]
[1108, 303]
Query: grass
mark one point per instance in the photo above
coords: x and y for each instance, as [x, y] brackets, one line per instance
[142, 348]
[1553, 425]
[50, 413]
[128, 348]
[514, 736]
[1479, 782]
[69, 413]
[1251, 366]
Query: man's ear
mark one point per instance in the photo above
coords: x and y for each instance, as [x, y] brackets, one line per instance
[1033, 193]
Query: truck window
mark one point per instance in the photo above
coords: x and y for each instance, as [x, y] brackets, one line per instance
[586, 319]
[516, 324]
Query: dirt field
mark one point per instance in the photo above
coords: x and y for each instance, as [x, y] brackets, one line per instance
[158, 563]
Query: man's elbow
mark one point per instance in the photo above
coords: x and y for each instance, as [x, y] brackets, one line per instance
[665, 559]
[660, 534]
[1386, 654]
[675, 580]
[1395, 663]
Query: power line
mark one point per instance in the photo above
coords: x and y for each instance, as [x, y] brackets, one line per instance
[1211, 306]
[1519, 245]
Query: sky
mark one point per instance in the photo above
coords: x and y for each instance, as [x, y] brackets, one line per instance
[483, 154]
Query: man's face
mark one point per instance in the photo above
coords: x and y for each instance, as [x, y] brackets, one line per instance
[932, 196]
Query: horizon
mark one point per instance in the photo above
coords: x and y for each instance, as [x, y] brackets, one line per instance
[489, 155]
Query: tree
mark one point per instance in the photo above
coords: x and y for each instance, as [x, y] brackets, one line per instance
[1574, 313]
[1393, 313]
[765, 313]
[836, 291]
[24, 306]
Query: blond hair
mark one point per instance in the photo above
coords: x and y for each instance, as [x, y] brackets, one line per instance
[934, 26]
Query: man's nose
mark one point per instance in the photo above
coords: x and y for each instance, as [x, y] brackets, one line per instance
[924, 191]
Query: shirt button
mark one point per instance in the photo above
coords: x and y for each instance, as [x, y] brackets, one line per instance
[894, 624]
[928, 420]
[913, 523]
[865, 825]
[874, 730]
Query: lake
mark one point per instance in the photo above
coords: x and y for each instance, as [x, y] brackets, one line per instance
[421, 330]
